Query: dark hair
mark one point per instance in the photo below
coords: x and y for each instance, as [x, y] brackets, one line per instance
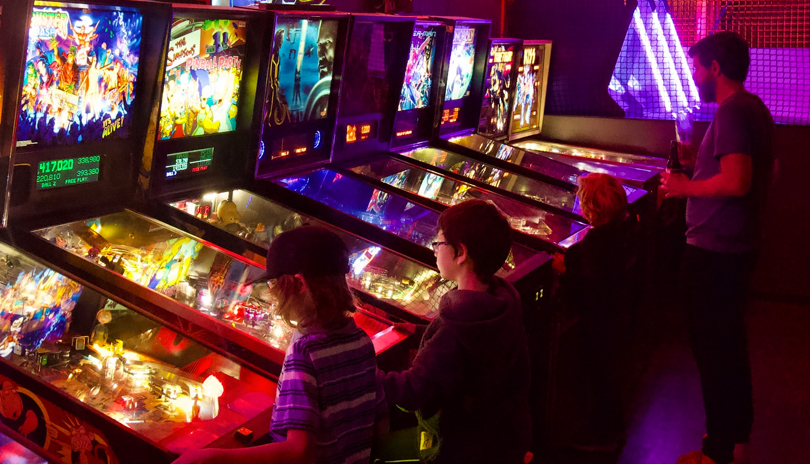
[326, 301]
[730, 51]
[483, 230]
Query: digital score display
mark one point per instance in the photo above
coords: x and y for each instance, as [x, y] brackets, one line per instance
[189, 162]
[68, 171]
[361, 132]
[291, 146]
[450, 116]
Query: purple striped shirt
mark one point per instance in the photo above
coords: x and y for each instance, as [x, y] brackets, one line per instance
[328, 386]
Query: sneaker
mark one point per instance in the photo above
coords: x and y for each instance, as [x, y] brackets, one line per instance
[695, 457]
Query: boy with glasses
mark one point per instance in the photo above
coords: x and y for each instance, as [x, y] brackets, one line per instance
[472, 368]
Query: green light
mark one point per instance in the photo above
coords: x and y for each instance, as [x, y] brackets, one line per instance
[68, 171]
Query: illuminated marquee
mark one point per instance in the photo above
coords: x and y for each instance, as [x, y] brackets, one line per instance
[50, 23]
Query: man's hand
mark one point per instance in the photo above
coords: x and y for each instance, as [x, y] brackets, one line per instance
[675, 185]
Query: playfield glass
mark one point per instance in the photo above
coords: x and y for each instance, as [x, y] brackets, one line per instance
[301, 69]
[517, 156]
[388, 211]
[178, 266]
[161, 385]
[80, 75]
[204, 65]
[382, 209]
[375, 270]
[523, 217]
[538, 161]
[419, 72]
[462, 61]
[590, 154]
[483, 172]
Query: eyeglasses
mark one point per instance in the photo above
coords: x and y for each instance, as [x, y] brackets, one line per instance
[436, 245]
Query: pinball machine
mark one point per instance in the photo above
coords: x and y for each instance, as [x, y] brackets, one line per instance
[513, 140]
[119, 332]
[88, 378]
[396, 285]
[457, 109]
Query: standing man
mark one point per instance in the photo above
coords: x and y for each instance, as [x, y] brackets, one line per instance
[725, 197]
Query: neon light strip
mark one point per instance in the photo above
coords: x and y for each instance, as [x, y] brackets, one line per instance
[645, 41]
[693, 91]
[670, 65]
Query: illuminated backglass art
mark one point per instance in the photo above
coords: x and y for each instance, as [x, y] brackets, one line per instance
[462, 59]
[525, 114]
[418, 74]
[496, 107]
[203, 73]
[301, 70]
[80, 75]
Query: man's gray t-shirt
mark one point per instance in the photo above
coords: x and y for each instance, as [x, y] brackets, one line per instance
[743, 125]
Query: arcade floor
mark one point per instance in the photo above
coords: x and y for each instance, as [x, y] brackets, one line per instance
[664, 407]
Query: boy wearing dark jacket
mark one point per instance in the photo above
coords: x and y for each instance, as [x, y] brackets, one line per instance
[472, 367]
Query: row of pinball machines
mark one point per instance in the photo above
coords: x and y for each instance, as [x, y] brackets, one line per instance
[511, 121]
[170, 92]
[123, 332]
[156, 150]
[364, 180]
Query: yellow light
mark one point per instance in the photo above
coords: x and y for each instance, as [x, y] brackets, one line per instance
[102, 351]
[184, 404]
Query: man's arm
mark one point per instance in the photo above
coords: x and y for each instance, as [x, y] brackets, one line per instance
[733, 180]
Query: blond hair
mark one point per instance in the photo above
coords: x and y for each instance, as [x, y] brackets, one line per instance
[602, 199]
[323, 301]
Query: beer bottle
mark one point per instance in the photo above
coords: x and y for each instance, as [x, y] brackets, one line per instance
[674, 165]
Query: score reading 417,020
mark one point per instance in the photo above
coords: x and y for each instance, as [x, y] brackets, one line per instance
[68, 171]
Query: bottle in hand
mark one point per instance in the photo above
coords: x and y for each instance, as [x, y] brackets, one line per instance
[674, 165]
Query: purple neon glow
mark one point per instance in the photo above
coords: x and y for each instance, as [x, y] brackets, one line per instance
[682, 62]
[787, 95]
[645, 42]
[662, 47]
[653, 76]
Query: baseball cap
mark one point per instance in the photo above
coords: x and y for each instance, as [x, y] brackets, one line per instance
[307, 250]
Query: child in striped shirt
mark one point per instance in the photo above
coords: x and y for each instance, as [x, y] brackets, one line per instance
[328, 397]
